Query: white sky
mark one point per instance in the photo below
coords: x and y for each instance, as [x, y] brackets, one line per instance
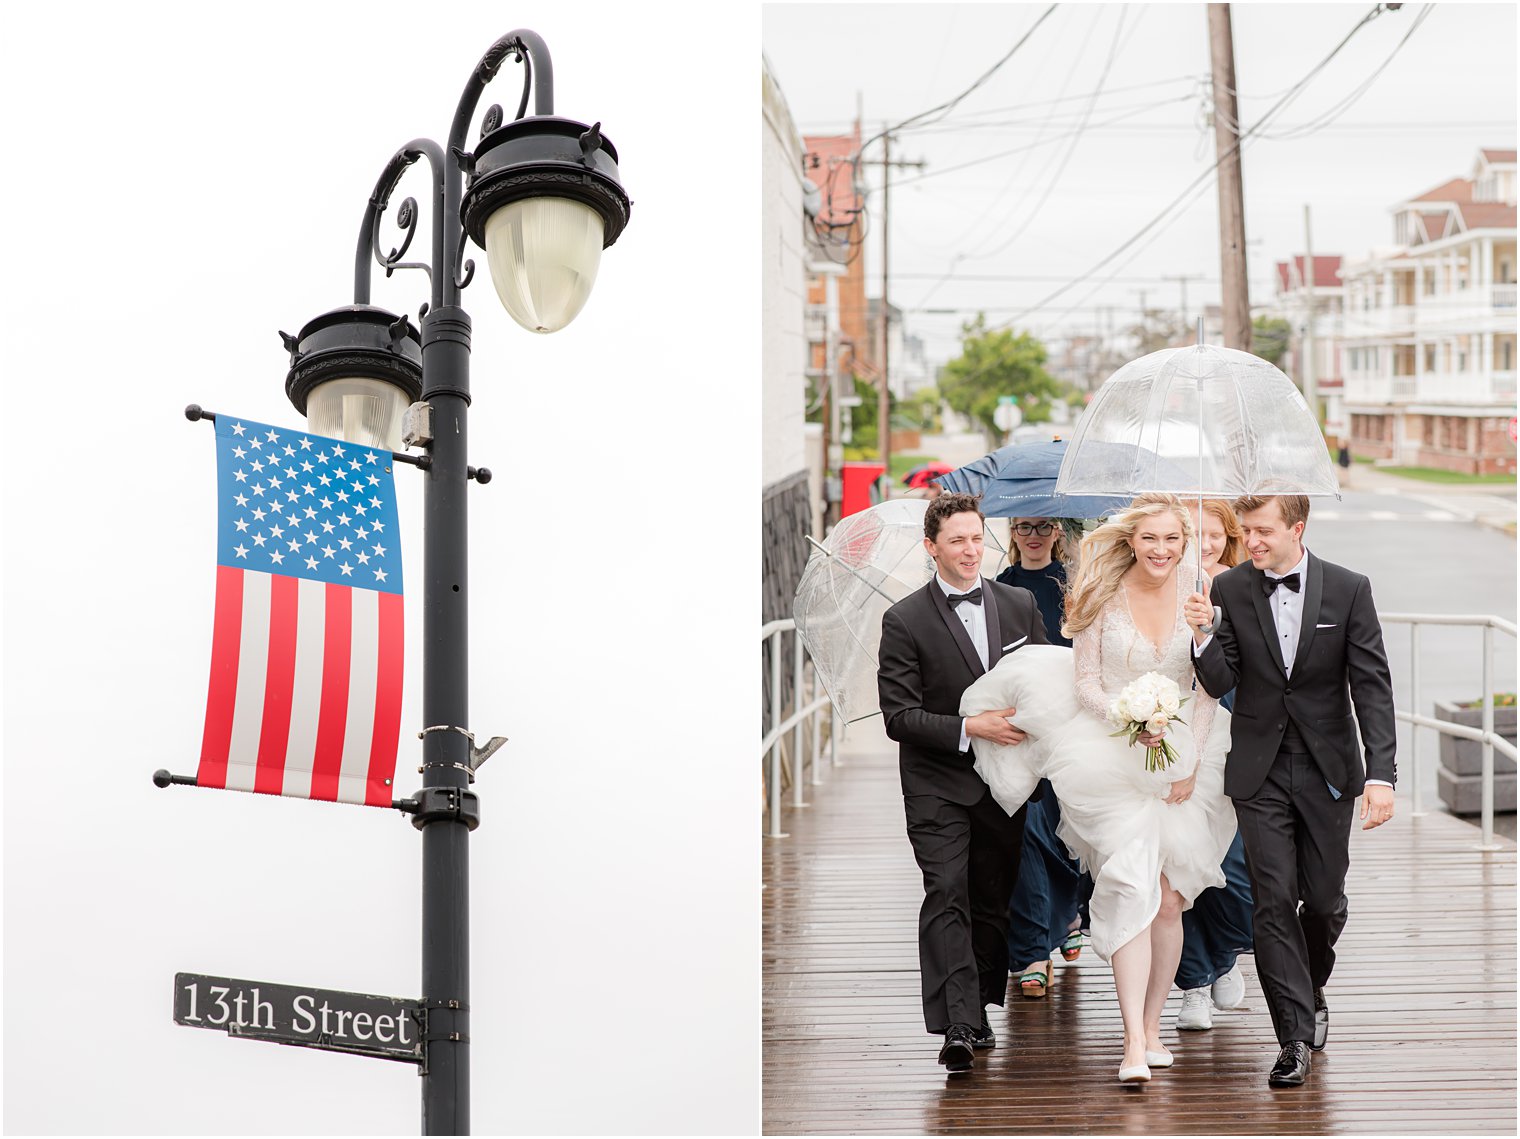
[182, 182]
[1449, 91]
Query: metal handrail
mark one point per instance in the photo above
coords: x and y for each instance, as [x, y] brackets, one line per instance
[808, 713]
[1485, 735]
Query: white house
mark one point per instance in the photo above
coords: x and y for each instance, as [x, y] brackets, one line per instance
[1429, 350]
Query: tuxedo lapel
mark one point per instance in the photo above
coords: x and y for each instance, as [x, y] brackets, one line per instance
[1263, 605]
[957, 630]
[994, 624]
[1314, 586]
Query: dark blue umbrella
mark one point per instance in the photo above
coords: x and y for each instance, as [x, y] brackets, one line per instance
[1019, 481]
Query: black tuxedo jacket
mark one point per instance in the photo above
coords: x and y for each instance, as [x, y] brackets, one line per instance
[927, 663]
[1338, 665]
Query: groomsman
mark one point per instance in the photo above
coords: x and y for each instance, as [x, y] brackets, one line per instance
[1300, 643]
[934, 643]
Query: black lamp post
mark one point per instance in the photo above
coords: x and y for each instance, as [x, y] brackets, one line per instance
[541, 196]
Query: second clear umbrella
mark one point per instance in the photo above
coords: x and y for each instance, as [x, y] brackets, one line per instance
[870, 561]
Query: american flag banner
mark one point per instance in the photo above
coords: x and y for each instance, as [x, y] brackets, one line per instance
[306, 647]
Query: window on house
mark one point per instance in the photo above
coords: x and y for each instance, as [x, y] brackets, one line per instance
[1430, 357]
[1507, 355]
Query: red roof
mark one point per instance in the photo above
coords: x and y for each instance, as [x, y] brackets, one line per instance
[1435, 225]
[1457, 190]
[1488, 215]
[1498, 155]
[1475, 215]
[1327, 272]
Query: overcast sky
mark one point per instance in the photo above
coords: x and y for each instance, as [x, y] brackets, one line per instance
[184, 181]
[1094, 127]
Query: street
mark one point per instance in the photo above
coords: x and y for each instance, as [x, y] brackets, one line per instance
[1422, 559]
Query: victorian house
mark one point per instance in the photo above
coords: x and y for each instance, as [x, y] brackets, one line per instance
[1427, 346]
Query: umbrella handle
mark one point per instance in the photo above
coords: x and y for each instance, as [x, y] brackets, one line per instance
[1209, 629]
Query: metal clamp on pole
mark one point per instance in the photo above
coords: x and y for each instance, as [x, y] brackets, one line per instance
[449, 804]
[456, 1013]
[478, 755]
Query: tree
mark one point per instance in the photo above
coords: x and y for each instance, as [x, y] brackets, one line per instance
[921, 410]
[998, 363]
[1269, 339]
[1157, 330]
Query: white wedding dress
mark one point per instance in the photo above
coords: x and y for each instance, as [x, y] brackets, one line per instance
[1113, 817]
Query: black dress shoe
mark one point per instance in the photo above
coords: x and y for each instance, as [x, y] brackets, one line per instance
[1321, 1020]
[956, 1053]
[982, 1037]
[1292, 1065]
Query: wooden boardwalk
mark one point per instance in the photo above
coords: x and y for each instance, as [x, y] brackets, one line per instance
[1422, 1037]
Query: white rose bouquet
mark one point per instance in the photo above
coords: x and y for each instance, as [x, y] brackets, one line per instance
[1148, 704]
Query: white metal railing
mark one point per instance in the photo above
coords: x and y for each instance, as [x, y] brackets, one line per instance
[809, 713]
[1416, 720]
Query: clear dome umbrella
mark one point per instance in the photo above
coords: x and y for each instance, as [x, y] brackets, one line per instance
[1198, 422]
[1201, 421]
[869, 562]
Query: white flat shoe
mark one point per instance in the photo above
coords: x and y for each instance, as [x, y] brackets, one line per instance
[1158, 1059]
[1135, 1074]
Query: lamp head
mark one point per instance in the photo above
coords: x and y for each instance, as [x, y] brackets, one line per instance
[353, 373]
[543, 201]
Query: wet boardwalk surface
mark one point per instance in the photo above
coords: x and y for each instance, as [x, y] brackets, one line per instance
[1422, 1037]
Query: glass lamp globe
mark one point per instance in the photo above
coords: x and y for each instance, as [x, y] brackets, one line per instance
[358, 409]
[544, 254]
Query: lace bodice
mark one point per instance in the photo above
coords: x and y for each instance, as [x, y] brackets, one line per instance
[1111, 652]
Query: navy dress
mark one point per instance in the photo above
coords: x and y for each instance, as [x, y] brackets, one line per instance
[1217, 928]
[1049, 889]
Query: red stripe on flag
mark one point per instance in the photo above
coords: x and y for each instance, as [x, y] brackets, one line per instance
[387, 730]
[279, 681]
[221, 695]
[337, 650]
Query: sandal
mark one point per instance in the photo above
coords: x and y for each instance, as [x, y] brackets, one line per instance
[1034, 983]
[1072, 949]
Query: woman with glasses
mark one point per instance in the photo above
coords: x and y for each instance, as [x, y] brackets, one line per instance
[1044, 908]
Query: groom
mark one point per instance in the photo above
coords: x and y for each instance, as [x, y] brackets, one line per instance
[934, 643]
[1300, 643]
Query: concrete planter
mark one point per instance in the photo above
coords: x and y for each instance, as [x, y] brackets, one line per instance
[1459, 778]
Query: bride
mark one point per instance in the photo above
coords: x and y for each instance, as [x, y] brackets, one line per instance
[1152, 841]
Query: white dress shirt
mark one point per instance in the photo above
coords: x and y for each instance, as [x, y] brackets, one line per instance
[974, 618]
[1288, 610]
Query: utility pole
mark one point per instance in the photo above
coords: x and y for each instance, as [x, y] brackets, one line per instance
[1182, 279]
[883, 395]
[1144, 326]
[1311, 385]
[1235, 294]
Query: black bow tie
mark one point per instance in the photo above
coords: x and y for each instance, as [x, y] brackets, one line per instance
[1268, 584]
[975, 597]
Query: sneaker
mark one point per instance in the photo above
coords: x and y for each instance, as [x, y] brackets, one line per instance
[1229, 989]
[1195, 1015]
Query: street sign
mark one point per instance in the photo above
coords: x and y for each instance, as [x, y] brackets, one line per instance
[1007, 415]
[389, 1028]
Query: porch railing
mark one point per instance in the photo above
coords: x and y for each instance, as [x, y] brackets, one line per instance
[805, 717]
[1416, 719]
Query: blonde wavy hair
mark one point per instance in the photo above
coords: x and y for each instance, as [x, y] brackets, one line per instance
[1107, 555]
[1234, 551]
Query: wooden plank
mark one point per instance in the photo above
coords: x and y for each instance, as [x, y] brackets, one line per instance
[1423, 1000]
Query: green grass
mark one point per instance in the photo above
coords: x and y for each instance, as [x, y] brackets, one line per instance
[1456, 478]
[902, 464]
